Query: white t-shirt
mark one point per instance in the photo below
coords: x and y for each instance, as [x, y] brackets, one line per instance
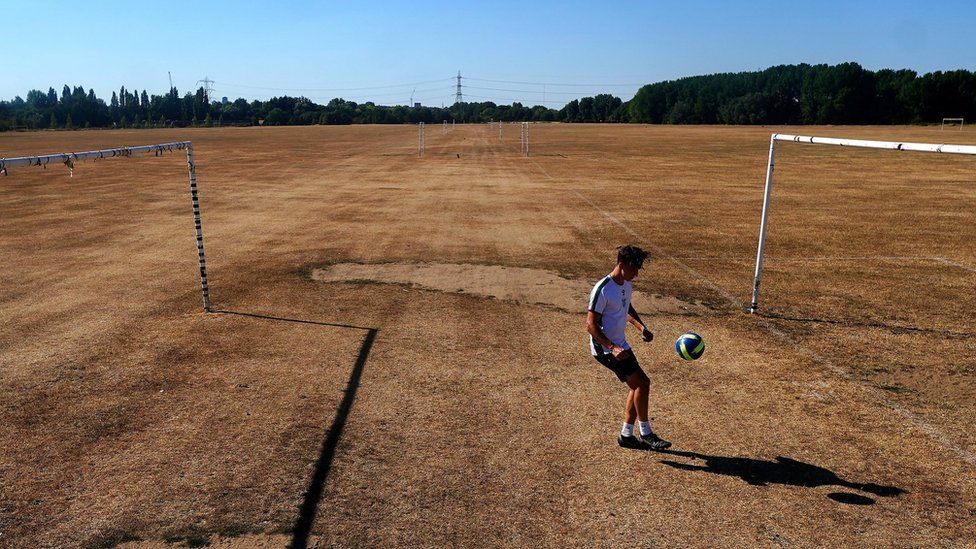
[612, 301]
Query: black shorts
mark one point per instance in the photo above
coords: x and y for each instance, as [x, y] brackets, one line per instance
[623, 368]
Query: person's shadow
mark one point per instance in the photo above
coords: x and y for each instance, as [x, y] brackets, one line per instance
[782, 470]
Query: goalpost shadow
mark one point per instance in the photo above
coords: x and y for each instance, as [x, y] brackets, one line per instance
[295, 320]
[316, 486]
[306, 515]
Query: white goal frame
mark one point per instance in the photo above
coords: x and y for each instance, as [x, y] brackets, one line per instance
[962, 122]
[69, 159]
[889, 145]
[421, 140]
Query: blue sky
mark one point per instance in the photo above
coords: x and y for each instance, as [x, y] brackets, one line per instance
[324, 49]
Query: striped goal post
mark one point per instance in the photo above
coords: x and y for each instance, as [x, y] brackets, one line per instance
[69, 159]
[889, 145]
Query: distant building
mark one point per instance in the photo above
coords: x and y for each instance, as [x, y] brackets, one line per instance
[416, 105]
[224, 100]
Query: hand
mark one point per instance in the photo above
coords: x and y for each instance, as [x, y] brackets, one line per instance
[647, 335]
[619, 352]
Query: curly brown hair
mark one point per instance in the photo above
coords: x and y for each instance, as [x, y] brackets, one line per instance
[631, 255]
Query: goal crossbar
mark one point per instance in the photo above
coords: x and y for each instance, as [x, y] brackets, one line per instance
[859, 143]
[68, 159]
[890, 145]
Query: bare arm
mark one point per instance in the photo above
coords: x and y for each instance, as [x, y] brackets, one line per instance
[635, 320]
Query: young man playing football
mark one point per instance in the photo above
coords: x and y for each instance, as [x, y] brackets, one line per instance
[609, 312]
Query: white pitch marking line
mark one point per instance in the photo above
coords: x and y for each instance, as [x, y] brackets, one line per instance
[933, 432]
[814, 258]
[954, 264]
[819, 259]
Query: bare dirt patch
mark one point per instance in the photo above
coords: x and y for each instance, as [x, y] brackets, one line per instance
[515, 284]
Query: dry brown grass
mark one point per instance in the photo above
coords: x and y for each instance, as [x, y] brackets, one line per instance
[128, 415]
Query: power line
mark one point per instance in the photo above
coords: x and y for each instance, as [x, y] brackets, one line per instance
[430, 99]
[404, 91]
[405, 88]
[363, 88]
[456, 78]
[540, 92]
[557, 84]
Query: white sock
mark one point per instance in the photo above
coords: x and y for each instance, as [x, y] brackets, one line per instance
[645, 427]
[627, 430]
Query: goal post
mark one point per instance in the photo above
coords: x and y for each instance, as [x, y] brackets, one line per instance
[861, 143]
[421, 141]
[69, 159]
[952, 121]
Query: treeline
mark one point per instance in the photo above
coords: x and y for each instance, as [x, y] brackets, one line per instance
[808, 94]
[787, 94]
[76, 108]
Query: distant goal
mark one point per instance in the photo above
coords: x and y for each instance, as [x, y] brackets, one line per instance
[952, 122]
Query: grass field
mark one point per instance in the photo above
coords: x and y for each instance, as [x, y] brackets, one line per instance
[400, 358]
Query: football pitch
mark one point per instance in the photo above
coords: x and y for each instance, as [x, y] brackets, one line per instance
[398, 350]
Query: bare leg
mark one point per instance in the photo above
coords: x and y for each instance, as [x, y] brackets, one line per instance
[640, 388]
[630, 413]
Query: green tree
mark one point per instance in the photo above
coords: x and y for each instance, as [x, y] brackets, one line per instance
[680, 113]
[277, 117]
